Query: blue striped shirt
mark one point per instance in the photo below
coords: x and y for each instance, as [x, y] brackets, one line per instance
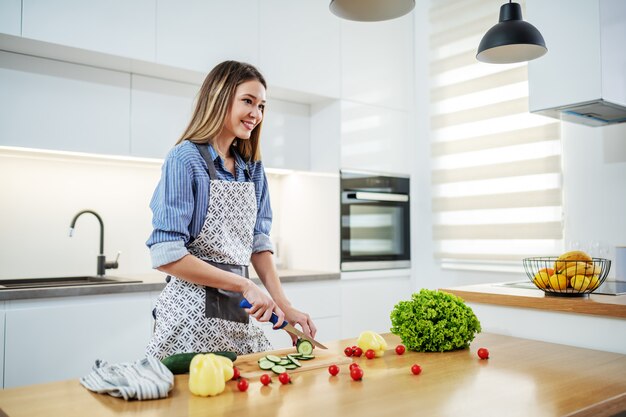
[181, 201]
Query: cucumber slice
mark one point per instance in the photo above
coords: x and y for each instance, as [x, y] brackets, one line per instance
[284, 362]
[304, 347]
[307, 357]
[273, 358]
[266, 365]
[294, 355]
[278, 369]
[291, 366]
[296, 362]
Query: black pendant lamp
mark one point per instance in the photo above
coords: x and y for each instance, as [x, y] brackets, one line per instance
[511, 40]
[371, 10]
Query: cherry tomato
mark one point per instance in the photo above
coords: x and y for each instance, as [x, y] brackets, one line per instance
[356, 373]
[284, 378]
[400, 349]
[265, 379]
[483, 353]
[357, 352]
[354, 365]
[242, 384]
[236, 373]
[370, 354]
[348, 351]
[333, 370]
[416, 369]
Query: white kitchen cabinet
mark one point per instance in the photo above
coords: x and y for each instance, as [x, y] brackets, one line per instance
[299, 46]
[375, 138]
[319, 299]
[377, 62]
[583, 72]
[326, 136]
[160, 111]
[366, 303]
[56, 105]
[198, 34]
[118, 27]
[60, 338]
[581, 330]
[2, 319]
[285, 138]
[11, 17]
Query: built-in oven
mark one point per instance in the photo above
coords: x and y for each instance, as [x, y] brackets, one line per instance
[375, 221]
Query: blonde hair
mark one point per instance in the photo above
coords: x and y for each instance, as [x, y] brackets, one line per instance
[213, 102]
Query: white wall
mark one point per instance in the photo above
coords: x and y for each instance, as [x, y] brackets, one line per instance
[594, 185]
[42, 192]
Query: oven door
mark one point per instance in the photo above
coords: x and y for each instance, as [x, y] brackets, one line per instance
[375, 231]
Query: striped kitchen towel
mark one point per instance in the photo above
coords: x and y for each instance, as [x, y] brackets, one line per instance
[146, 379]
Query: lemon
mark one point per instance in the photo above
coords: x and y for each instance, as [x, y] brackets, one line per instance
[594, 281]
[558, 282]
[580, 282]
[542, 279]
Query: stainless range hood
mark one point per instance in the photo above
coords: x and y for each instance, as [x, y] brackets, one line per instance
[582, 78]
[592, 113]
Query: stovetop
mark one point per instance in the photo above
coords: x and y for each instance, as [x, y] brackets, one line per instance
[612, 288]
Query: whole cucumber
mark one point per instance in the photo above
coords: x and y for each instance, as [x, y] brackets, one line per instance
[179, 362]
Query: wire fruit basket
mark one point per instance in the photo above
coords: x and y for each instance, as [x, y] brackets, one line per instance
[567, 278]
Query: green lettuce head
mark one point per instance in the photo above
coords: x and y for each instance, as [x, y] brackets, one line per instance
[434, 321]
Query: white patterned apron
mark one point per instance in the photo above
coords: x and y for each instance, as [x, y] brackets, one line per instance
[194, 318]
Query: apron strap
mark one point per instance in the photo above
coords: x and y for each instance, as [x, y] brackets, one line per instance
[204, 151]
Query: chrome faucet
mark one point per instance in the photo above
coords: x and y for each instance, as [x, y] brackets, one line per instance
[103, 265]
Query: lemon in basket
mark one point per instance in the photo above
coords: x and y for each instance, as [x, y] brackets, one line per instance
[594, 282]
[580, 282]
[542, 278]
[558, 282]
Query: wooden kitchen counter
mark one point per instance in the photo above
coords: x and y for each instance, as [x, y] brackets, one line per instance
[521, 378]
[497, 294]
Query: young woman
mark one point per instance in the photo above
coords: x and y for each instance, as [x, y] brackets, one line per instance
[211, 218]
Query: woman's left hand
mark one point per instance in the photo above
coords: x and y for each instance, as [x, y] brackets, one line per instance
[294, 316]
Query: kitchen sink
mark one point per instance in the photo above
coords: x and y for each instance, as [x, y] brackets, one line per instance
[15, 284]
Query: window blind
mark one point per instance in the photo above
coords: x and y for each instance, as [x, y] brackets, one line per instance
[496, 168]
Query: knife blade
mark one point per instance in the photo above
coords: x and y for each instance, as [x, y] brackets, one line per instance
[285, 326]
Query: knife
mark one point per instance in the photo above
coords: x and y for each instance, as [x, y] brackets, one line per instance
[285, 326]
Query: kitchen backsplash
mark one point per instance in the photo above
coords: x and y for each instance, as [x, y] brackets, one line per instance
[42, 191]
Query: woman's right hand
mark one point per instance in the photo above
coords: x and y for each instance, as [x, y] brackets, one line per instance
[262, 305]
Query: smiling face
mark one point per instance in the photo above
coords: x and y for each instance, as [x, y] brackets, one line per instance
[246, 111]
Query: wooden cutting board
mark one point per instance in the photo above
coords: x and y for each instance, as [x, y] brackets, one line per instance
[248, 365]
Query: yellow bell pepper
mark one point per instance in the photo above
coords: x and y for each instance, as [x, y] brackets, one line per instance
[372, 340]
[227, 367]
[207, 375]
